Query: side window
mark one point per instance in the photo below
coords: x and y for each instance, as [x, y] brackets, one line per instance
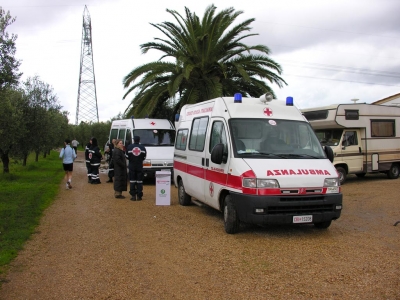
[218, 136]
[198, 134]
[121, 135]
[350, 138]
[181, 139]
[128, 137]
[113, 134]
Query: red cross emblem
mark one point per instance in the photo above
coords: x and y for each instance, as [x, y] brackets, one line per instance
[153, 123]
[267, 111]
[211, 188]
[136, 151]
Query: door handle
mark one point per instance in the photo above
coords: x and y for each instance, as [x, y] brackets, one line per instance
[207, 162]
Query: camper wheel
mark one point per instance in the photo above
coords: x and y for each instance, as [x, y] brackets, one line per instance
[323, 225]
[184, 199]
[231, 220]
[342, 174]
[394, 171]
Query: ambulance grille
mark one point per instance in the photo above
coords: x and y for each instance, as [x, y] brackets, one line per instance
[300, 210]
[163, 165]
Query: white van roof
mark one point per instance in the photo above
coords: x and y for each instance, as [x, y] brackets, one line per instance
[144, 123]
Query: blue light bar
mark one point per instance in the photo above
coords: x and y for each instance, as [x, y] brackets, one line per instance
[177, 117]
[132, 117]
[237, 98]
[289, 101]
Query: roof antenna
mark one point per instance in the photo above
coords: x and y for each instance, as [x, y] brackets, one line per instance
[354, 100]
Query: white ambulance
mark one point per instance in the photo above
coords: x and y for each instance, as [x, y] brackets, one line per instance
[256, 160]
[157, 135]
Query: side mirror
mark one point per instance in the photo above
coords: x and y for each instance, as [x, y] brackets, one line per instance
[329, 153]
[217, 154]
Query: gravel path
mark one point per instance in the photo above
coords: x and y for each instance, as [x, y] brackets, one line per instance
[90, 245]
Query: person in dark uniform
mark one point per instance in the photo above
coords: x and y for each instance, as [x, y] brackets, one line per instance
[95, 157]
[88, 167]
[136, 155]
[110, 151]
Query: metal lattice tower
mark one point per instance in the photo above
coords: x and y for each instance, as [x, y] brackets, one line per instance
[86, 107]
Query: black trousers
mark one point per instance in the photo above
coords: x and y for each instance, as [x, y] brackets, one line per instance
[136, 183]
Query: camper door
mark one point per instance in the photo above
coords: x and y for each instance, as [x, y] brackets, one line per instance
[351, 150]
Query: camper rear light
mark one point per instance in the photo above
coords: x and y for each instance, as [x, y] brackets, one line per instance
[147, 163]
[260, 183]
[332, 185]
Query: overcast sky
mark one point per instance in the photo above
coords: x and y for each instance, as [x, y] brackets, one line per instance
[331, 51]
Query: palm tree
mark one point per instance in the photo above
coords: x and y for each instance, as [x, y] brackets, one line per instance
[201, 60]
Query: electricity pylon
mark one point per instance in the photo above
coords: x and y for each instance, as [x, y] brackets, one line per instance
[86, 107]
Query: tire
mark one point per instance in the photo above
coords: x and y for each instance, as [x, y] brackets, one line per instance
[323, 225]
[360, 175]
[231, 220]
[394, 171]
[184, 199]
[342, 174]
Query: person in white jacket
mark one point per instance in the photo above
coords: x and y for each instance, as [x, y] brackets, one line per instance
[68, 156]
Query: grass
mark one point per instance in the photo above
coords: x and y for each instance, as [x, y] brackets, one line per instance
[24, 194]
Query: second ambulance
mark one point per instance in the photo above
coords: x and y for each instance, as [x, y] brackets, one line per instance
[257, 160]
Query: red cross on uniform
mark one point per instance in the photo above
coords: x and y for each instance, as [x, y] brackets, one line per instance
[268, 111]
[136, 151]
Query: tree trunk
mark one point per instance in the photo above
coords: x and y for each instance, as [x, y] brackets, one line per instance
[6, 162]
[24, 160]
[44, 154]
[36, 156]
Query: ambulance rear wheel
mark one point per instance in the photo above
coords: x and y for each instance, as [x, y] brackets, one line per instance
[342, 174]
[231, 220]
[184, 199]
[394, 171]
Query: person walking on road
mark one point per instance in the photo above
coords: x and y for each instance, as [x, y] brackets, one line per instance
[74, 145]
[68, 156]
[136, 155]
[120, 170]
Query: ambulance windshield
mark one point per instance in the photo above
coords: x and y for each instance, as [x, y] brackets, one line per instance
[274, 139]
[156, 137]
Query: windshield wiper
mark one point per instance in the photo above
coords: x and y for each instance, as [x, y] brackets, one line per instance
[300, 155]
[267, 154]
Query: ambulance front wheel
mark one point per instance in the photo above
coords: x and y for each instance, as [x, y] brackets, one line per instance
[231, 220]
[323, 225]
[184, 199]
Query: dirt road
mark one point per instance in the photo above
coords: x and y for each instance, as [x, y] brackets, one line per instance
[90, 245]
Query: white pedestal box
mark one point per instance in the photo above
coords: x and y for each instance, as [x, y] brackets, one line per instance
[163, 188]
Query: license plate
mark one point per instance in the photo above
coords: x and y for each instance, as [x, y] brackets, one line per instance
[302, 219]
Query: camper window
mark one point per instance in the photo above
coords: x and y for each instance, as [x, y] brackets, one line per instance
[382, 128]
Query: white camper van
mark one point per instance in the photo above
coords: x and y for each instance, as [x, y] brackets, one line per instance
[257, 160]
[157, 135]
[365, 138]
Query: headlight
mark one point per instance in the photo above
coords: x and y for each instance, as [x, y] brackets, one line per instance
[260, 183]
[332, 185]
[147, 163]
[331, 182]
